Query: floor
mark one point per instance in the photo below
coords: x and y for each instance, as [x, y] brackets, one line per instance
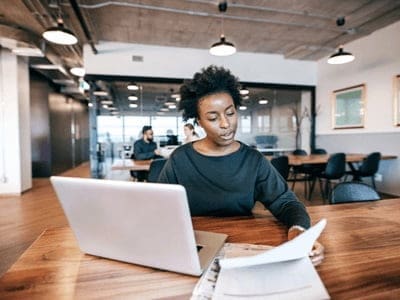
[23, 218]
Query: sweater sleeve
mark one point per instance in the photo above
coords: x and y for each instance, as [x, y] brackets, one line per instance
[167, 174]
[272, 190]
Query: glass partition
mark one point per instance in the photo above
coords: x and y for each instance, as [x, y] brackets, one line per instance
[274, 119]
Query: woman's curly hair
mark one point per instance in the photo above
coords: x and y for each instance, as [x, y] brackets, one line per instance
[209, 81]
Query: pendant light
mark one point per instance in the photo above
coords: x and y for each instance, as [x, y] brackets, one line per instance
[77, 71]
[60, 35]
[341, 56]
[222, 47]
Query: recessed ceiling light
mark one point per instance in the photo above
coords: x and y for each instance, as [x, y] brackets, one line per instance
[133, 98]
[242, 107]
[105, 106]
[133, 87]
[100, 93]
[164, 109]
[106, 102]
[172, 106]
[133, 105]
[90, 104]
[263, 101]
[244, 91]
[169, 103]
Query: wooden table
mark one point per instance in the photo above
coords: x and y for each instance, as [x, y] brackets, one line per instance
[362, 258]
[298, 160]
[130, 164]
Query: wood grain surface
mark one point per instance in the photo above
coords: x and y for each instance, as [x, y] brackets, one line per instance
[297, 160]
[362, 258]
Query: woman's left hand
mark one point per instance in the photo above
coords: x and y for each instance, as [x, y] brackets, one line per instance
[317, 252]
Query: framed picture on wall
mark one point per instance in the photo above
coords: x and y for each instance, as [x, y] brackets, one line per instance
[348, 107]
[396, 100]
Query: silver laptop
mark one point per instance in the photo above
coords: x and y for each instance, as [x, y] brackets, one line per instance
[142, 223]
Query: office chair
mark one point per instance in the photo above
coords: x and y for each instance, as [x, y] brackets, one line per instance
[334, 170]
[281, 164]
[319, 151]
[368, 168]
[155, 169]
[304, 171]
[346, 192]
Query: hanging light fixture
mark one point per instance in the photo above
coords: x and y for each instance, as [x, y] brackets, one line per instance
[341, 56]
[77, 71]
[60, 35]
[222, 47]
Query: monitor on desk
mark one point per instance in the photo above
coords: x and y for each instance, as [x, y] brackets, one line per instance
[142, 223]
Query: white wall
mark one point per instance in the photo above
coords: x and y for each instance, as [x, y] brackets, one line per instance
[170, 62]
[15, 151]
[377, 62]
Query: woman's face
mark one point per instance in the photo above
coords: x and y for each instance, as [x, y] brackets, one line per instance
[218, 117]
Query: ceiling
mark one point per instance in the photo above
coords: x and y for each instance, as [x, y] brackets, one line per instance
[296, 29]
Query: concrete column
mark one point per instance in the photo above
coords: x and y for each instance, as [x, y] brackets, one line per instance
[15, 130]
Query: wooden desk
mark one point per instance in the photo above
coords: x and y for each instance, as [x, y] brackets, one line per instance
[130, 164]
[297, 160]
[362, 258]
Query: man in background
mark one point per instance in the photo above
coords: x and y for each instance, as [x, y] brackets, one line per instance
[144, 149]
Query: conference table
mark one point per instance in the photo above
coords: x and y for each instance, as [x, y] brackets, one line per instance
[298, 160]
[131, 164]
[362, 258]
[294, 160]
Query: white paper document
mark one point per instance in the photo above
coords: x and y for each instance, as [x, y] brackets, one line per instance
[205, 287]
[284, 272]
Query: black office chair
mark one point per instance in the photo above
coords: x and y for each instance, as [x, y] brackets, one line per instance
[319, 151]
[346, 192]
[368, 168]
[316, 168]
[281, 164]
[301, 173]
[297, 170]
[155, 169]
[334, 170]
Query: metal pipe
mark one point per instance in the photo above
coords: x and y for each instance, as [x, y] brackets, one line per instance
[204, 14]
[83, 24]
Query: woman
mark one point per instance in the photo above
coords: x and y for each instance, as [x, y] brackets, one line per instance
[222, 176]
[190, 134]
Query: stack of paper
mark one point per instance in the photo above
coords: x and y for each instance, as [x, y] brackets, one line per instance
[284, 272]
